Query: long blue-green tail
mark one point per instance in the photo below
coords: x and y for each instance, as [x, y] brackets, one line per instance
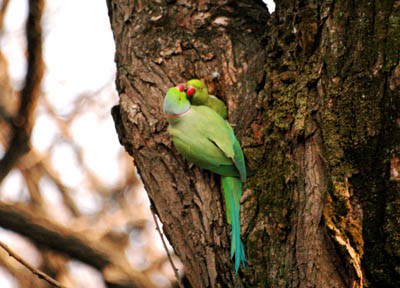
[232, 187]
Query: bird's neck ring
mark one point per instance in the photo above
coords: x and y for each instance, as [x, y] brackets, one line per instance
[176, 115]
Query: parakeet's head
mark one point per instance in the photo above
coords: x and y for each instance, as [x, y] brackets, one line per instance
[175, 102]
[197, 92]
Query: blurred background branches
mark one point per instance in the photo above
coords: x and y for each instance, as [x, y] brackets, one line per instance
[71, 203]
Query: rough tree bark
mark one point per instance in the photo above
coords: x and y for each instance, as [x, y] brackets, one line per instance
[314, 92]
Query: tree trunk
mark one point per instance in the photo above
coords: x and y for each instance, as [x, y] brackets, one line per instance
[313, 91]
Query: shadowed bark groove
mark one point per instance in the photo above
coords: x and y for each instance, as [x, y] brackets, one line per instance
[314, 91]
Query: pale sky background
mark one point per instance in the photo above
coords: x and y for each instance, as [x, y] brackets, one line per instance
[79, 57]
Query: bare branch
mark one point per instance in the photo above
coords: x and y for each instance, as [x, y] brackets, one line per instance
[166, 249]
[22, 124]
[44, 167]
[3, 11]
[112, 262]
[35, 271]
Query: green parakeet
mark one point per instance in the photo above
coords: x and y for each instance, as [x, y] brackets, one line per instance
[197, 91]
[203, 137]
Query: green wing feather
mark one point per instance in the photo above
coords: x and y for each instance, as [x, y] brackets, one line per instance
[238, 158]
[204, 138]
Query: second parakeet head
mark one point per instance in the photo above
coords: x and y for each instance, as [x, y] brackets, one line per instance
[196, 89]
[198, 95]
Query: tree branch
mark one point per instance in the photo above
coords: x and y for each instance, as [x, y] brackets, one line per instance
[22, 124]
[166, 248]
[35, 271]
[116, 270]
[3, 11]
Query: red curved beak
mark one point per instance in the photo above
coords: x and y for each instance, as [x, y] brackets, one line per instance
[180, 87]
[190, 91]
